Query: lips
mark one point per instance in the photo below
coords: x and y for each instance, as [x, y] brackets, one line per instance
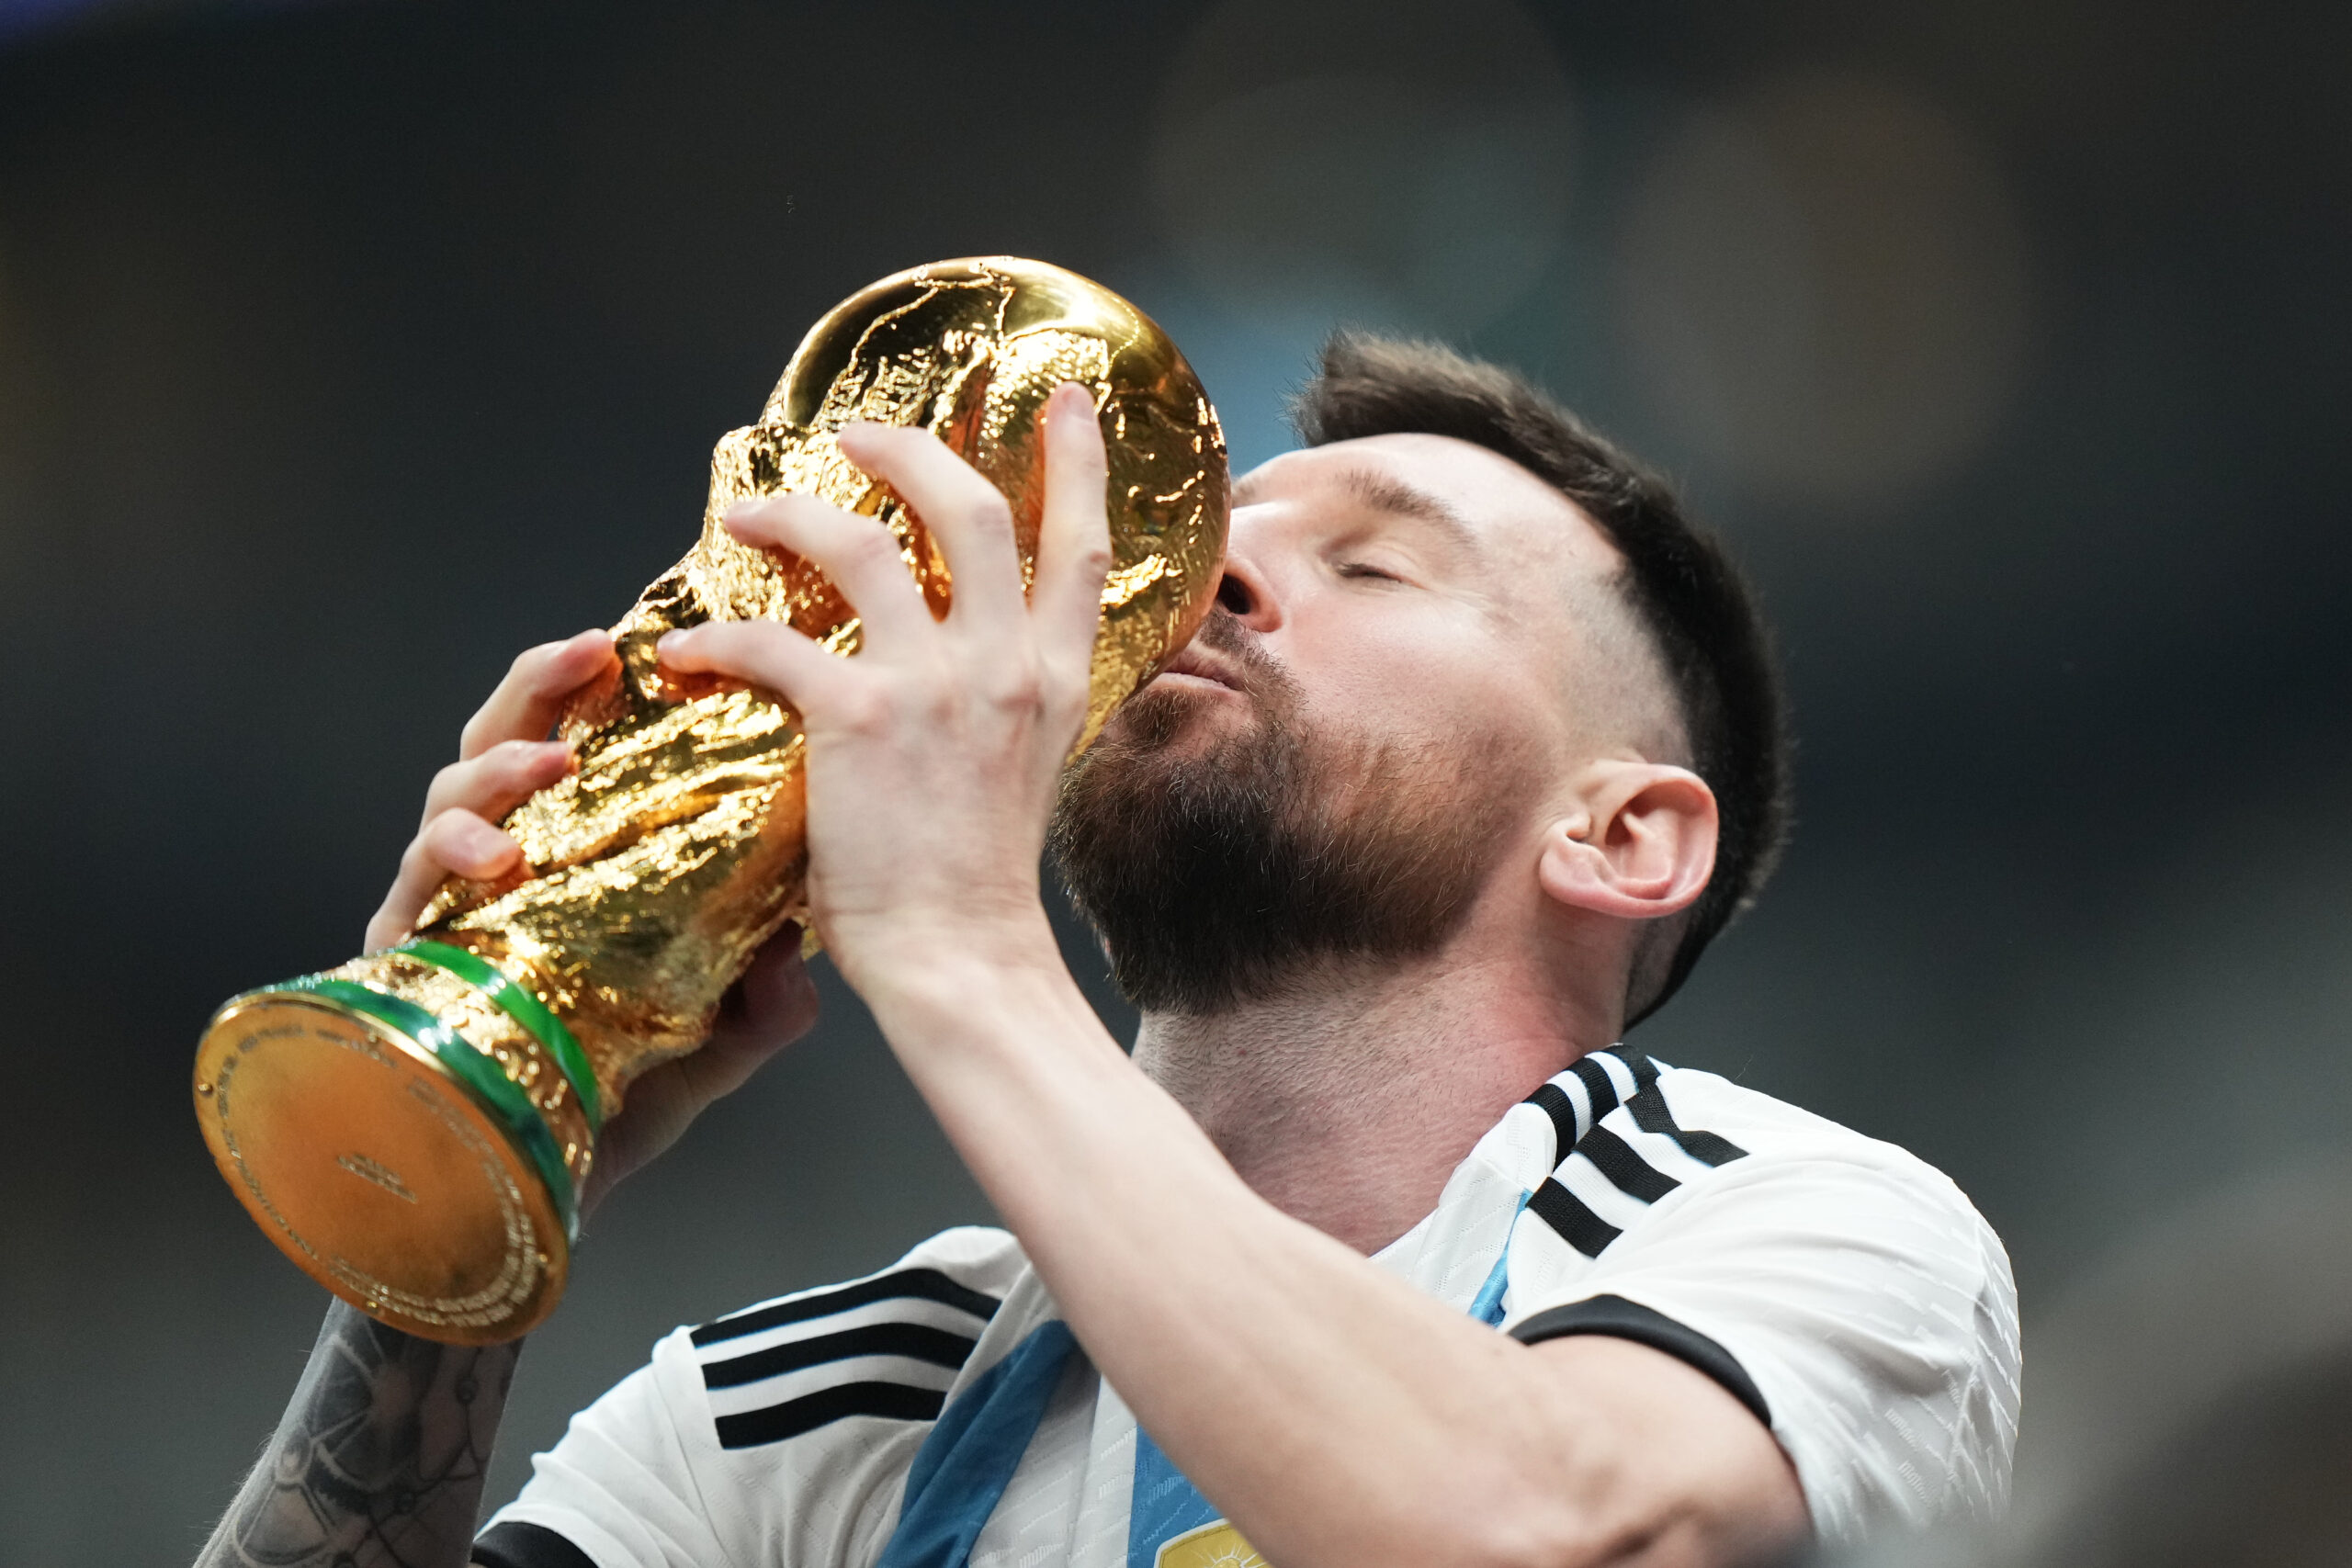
[1202, 665]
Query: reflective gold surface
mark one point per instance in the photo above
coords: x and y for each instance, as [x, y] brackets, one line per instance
[656, 871]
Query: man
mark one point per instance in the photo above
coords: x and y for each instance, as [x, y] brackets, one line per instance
[1480, 747]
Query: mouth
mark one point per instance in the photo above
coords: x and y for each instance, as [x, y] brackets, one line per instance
[1197, 665]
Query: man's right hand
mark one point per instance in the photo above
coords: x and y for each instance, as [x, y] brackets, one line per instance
[503, 757]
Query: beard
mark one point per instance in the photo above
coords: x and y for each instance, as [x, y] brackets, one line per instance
[1230, 872]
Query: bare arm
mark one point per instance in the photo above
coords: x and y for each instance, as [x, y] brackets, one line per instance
[381, 1455]
[380, 1458]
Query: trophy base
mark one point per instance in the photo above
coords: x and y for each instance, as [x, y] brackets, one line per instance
[399, 1167]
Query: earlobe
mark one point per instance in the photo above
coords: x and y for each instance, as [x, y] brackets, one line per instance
[1640, 846]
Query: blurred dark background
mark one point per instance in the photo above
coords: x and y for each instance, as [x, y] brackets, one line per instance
[345, 349]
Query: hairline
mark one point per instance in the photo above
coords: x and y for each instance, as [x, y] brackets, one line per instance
[1666, 722]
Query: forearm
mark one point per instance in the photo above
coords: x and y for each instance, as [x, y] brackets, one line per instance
[380, 1458]
[1337, 1414]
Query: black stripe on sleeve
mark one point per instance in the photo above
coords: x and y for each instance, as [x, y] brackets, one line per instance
[1627, 1170]
[513, 1544]
[1621, 1319]
[929, 1285]
[1598, 1086]
[916, 1341]
[1649, 1112]
[894, 1401]
[1554, 1101]
[1645, 1071]
[1566, 1213]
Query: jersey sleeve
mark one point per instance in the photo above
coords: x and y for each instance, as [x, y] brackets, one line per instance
[618, 1490]
[778, 1436]
[1850, 1297]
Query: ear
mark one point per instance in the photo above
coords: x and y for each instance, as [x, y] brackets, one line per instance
[1640, 846]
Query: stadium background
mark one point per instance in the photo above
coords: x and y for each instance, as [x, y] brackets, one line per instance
[346, 349]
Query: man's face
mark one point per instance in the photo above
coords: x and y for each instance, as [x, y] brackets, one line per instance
[1376, 716]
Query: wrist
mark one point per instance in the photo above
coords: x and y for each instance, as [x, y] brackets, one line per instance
[980, 1016]
[924, 960]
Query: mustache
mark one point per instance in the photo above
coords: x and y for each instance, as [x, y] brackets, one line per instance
[1254, 669]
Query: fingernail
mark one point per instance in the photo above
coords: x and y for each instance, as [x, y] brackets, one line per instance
[670, 642]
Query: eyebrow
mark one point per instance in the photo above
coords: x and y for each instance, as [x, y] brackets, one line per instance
[1385, 493]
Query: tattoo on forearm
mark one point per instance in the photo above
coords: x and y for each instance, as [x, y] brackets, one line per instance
[381, 1460]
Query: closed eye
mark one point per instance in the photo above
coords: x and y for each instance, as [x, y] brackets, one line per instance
[1359, 570]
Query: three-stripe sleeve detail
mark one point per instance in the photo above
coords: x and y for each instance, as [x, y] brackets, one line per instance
[1578, 1102]
[1649, 1112]
[888, 1347]
[916, 1341]
[927, 1284]
[1568, 1215]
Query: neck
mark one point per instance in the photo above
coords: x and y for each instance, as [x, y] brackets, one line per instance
[1348, 1100]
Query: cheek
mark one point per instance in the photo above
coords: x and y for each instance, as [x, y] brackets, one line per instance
[1423, 679]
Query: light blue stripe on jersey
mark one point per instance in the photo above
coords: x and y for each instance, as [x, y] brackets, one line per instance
[968, 1456]
[1165, 1504]
[1487, 1307]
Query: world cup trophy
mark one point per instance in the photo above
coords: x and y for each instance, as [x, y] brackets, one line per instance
[414, 1127]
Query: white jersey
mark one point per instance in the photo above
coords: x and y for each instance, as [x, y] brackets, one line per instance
[940, 1414]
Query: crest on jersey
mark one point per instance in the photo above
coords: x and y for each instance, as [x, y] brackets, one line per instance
[1218, 1545]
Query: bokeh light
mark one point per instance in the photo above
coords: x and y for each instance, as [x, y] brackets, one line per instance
[1823, 287]
[1390, 165]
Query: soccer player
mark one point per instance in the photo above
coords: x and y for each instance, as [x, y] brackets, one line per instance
[1380, 1248]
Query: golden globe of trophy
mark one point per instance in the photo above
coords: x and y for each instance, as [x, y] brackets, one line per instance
[412, 1127]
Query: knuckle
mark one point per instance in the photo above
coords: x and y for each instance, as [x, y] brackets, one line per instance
[440, 835]
[864, 709]
[417, 861]
[1017, 684]
[447, 784]
[990, 513]
[515, 759]
[872, 546]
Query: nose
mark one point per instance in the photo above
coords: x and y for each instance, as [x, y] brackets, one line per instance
[1244, 594]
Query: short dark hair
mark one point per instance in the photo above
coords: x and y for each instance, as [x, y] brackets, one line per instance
[1680, 585]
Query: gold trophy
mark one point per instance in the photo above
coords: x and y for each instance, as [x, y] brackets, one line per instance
[412, 1128]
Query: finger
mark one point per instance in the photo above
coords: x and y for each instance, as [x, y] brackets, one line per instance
[861, 556]
[1074, 538]
[499, 780]
[527, 702]
[766, 653]
[772, 1005]
[454, 842]
[967, 515]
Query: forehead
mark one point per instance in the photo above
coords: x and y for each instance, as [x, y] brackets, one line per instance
[1514, 518]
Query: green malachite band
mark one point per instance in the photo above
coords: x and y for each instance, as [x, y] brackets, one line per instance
[521, 1004]
[470, 1066]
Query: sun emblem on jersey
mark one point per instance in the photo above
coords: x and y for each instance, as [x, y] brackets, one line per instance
[1211, 1546]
